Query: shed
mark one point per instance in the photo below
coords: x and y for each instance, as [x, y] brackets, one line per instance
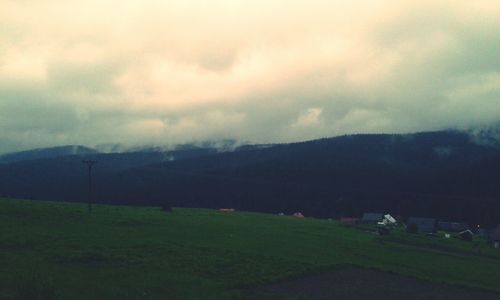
[372, 218]
[227, 209]
[452, 226]
[298, 215]
[388, 220]
[426, 225]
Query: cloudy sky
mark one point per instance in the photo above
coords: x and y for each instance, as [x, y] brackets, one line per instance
[174, 71]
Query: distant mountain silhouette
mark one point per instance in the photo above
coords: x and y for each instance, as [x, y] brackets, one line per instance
[437, 174]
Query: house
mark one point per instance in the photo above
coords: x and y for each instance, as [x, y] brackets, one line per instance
[298, 215]
[452, 226]
[388, 220]
[425, 225]
[349, 221]
[466, 235]
[227, 209]
[372, 218]
[495, 237]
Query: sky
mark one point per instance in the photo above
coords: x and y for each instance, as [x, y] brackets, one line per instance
[164, 72]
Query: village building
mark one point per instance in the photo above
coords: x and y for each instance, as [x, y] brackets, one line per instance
[424, 225]
[388, 220]
[452, 226]
[372, 218]
[227, 209]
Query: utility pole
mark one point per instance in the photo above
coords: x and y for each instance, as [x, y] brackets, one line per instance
[89, 164]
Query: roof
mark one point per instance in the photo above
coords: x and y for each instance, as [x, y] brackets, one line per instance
[372, 217]
[390, 218]
[227, 209]
[417, 221]
[298, 215]
[452, 226]
[467, 231]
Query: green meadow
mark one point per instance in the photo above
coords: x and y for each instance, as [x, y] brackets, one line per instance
[54, 250]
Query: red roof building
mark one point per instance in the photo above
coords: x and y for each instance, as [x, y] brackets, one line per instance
[298, 214]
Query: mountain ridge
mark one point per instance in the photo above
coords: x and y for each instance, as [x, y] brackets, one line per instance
[433, 173]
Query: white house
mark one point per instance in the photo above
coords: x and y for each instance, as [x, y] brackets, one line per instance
[388, 220]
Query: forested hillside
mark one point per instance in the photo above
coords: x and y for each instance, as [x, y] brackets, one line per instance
[437, 174]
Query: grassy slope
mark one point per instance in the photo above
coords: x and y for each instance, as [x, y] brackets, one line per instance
[143, 253]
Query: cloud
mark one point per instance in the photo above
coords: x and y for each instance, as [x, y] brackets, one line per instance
[166, 72]
[308, 118]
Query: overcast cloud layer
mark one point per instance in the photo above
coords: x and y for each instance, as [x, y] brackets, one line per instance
[165, 72]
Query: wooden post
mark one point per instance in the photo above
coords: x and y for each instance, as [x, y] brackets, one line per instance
[89, 164]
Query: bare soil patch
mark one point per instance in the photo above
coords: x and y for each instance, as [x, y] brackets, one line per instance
[351, 283]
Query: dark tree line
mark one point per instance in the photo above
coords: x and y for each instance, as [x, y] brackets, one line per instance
[441, 175]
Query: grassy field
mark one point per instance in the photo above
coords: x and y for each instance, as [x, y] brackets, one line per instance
[53, 250]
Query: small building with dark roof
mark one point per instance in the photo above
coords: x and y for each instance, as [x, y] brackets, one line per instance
[372, 218]
[452, 226]
[425, 225]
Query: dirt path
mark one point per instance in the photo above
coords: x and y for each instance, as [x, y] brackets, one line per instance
[350, 283]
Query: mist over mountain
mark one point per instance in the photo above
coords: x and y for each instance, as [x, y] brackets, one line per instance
[486, 135]
[45, 153]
